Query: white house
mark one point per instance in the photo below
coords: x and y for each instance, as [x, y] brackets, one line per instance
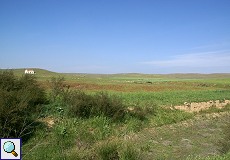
[27, 71]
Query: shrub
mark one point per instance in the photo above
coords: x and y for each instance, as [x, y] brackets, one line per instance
[100, 104]
[59, 97]
[57, 88]
[7, 81]
[19, 100]
[80, 104]
[109, 106]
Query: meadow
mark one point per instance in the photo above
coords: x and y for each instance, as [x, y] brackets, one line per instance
[124, 116]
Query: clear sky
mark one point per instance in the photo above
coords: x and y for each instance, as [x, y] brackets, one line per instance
[116, 36]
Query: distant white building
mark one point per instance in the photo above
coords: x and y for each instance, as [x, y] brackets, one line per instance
[27, 71]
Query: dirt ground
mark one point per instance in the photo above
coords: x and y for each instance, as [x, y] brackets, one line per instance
[197, 107]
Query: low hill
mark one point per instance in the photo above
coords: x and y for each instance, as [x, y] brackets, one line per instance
[47, 73]
[39, 72]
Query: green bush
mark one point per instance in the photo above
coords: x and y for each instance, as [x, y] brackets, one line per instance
[100, 104]
[19, 101]
[58, 89]
[109, 106]
[80, 104]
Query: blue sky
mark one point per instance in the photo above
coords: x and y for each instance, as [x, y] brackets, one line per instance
[116, 36]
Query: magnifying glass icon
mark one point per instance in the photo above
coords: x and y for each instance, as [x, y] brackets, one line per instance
[9, 147]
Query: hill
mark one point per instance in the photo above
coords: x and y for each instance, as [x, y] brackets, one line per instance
[46, 73]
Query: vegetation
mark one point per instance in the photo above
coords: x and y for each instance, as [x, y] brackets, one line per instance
[123, 117]
[101, 104]
[225, 142]
[19, 98]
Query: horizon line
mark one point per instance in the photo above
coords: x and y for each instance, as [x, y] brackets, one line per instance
[117, 73]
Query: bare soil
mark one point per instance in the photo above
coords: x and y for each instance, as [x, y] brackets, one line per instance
[197, 107]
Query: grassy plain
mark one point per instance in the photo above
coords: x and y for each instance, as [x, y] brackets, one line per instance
[168, 89]
[161, 134]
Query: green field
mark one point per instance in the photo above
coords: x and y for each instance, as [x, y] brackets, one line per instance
[171, 89]
[148, 130]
